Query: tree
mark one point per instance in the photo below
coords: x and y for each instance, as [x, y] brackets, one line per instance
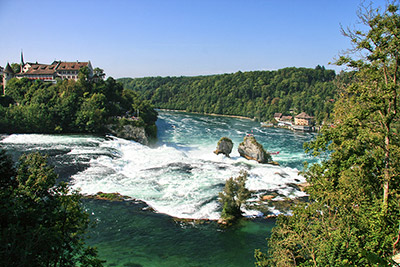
[378, 84]
[91, 116]
[84, 74]
[352, 218]
[233, 197]
[16, 67]
[42, 223]
[97, 72]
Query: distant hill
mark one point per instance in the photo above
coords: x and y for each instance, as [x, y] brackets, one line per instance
[257, 94]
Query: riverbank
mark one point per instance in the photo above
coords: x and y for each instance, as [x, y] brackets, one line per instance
[207, 114]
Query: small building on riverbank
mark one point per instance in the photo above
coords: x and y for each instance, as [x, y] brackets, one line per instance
[303, 122]
[277, 116]
[303, 119]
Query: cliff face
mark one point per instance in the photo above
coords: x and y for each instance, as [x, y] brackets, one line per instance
[251, 149]
[130, 132]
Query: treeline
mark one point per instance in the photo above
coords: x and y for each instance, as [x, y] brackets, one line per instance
[257, 94]
[83, 106]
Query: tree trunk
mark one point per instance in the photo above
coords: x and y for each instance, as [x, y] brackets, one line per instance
[386, 173]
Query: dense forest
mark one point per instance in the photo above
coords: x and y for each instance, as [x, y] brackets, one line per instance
[83, 106]
[257, 94]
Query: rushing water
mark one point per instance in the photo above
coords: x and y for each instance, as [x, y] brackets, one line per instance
[180, 177]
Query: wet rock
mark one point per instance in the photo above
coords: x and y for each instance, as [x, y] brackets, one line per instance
[300, 186]
[268, 197]
[281, 174]
[303, 186]
[130, 132]
[252, 150]
[222, 221]
[224, 146]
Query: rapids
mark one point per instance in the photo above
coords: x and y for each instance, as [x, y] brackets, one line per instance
[180, 176]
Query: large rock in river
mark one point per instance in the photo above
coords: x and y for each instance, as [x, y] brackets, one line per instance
[130, 132]
[251, 149]
[224, 146]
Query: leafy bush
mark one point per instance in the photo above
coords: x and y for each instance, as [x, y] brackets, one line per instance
[42, 223]
[234, 196]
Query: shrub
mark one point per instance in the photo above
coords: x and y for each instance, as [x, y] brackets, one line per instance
[233, 197]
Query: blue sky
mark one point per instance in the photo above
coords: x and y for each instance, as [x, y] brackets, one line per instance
[141, 38]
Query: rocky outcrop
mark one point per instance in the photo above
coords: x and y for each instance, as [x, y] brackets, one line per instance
[224, 146]
[130, 132]
[252, 150]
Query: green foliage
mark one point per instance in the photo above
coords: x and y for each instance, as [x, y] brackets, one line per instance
[353, 215]
[110, 196]
[257, 94]
[233, 197]
[42, 223]
[69, 107]
[16, 67]
[97, 72]
[84, 74]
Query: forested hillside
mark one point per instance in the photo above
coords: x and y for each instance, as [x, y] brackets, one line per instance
[70, 106]
[252, 94]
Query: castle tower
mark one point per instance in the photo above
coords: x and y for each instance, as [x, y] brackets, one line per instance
[22, 61]
[8, 73]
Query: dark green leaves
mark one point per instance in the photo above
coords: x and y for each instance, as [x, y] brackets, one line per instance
[42, 223]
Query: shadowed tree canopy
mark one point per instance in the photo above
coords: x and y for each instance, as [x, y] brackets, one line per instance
[42, 223]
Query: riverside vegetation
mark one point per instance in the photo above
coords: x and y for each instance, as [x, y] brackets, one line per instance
[70, 106]
[42, 223]
[255, 94]
[352, 218]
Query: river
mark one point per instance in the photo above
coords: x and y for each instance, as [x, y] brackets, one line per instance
[179, 177]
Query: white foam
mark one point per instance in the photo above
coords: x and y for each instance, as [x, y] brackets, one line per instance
[48, 139]
[182, 177]
[180, 181]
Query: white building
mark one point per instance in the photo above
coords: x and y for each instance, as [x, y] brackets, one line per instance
[46, 72]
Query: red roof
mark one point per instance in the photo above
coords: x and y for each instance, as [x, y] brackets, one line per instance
[71, 65]
[40, 69]
[45, 69]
